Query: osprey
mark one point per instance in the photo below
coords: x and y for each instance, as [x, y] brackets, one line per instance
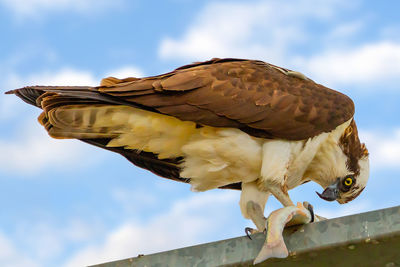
[223, 123]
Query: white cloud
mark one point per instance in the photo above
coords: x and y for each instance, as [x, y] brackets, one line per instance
[32, 150]
[344, 30]
[65, 76]
[372, 62]
[36, 8]
[133, 200]
[257, 30]
[126, 71]
[262, 29]
[384, 148]
[187, 222]
[46, 242]
[10, 256]
[215, 32]
[7, 105]
[11, 106]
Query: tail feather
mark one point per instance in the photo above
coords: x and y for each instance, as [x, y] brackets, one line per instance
[33, 94]
[83, 121]
[86, 114]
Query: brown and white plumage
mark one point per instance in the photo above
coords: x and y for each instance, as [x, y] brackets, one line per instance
[228, 123]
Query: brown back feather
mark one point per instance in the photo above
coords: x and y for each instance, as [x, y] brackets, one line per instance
[261, 99]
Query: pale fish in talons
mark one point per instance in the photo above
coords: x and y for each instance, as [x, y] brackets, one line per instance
[274, 245]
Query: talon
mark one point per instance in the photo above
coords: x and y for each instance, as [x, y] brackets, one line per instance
[310, 209]
[248, 232]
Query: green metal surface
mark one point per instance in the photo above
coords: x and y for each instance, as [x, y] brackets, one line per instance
[366, 239]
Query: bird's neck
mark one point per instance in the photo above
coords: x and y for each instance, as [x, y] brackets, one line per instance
[330, 160]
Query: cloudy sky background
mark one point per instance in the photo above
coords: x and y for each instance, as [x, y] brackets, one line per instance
[64, 203]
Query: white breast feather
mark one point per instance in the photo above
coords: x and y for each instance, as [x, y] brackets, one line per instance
[214, 157]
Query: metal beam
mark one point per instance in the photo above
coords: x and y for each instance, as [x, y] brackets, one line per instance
[366, 239]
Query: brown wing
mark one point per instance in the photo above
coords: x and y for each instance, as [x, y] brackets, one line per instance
[261, 99]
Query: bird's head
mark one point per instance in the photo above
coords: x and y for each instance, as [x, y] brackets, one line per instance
[348, 187]
[353, 171]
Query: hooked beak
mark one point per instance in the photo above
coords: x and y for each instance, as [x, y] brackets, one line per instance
[331, 193]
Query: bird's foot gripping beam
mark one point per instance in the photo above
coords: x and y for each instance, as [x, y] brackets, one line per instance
[274, 245]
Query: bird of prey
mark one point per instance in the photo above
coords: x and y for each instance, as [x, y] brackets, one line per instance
[223, 123]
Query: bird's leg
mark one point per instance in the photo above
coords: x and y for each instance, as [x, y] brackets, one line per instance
[252, 198]
[281, 194]
[252, 204]
[256, 214]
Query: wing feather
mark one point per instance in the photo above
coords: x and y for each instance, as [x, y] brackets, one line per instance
[256, 97]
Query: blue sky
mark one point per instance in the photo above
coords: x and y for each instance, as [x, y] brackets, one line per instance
[64, 203]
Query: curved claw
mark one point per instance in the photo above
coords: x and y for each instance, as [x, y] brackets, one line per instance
[310, 209]
[248, 232]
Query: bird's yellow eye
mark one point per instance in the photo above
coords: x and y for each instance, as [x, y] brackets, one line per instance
[348, 181]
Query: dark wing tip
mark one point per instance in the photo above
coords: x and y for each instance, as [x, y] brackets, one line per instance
[15, 91]
[10, 92]
[28, 94]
